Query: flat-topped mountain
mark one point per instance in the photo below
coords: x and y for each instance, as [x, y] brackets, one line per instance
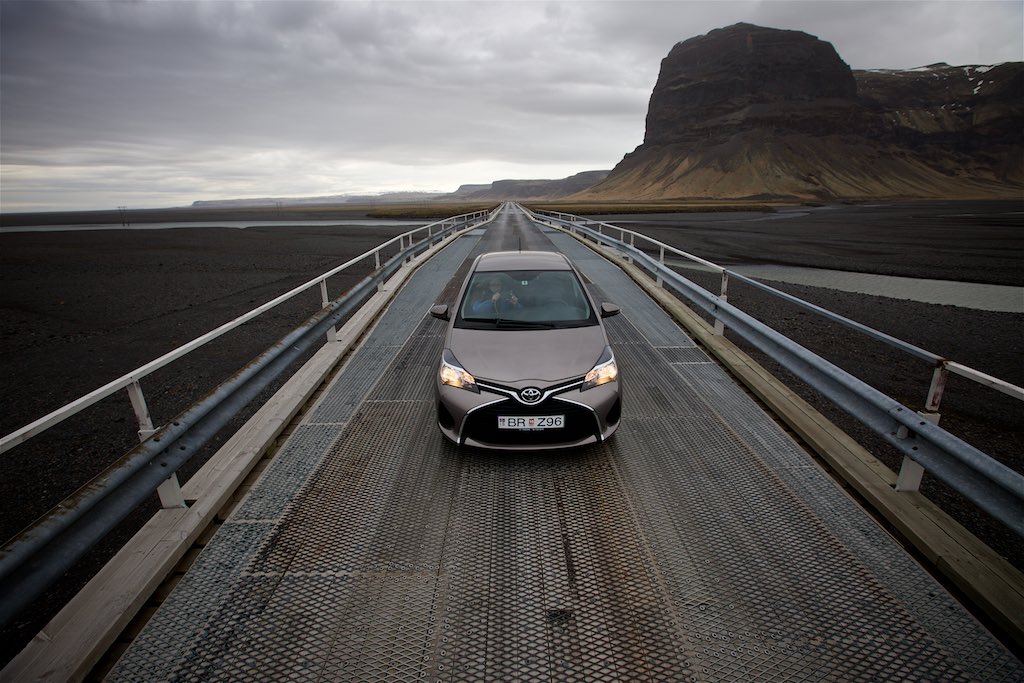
[747, 111]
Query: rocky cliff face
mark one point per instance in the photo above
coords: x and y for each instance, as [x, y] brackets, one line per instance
[733, 79]
[975, 114]
[747, 111]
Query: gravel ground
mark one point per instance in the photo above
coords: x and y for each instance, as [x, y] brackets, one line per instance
[79, 309]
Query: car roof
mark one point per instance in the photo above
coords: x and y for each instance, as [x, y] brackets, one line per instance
[522, 260]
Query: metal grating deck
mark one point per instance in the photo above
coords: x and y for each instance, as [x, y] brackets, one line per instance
[700, 544]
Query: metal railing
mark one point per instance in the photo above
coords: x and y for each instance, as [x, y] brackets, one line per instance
[40, 554]
[130, 381]
[988, 483]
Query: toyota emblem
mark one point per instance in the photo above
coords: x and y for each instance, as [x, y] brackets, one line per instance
[530, 395]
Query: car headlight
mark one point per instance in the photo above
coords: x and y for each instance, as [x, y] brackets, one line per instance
[454, 375]
[605, 371]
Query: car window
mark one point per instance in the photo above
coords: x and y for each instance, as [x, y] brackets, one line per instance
[525, 299]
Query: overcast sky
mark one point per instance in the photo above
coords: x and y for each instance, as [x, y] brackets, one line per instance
[154, 104]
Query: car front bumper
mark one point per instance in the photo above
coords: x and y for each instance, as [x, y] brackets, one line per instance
[471, 419]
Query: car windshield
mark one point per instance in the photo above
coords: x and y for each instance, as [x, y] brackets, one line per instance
[525, 299]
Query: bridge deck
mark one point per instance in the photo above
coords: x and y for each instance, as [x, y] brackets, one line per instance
[700, 543]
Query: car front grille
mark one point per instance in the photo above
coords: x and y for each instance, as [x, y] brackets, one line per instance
[482, 425]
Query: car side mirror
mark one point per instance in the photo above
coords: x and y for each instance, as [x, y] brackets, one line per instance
[608, 310]
[440, 311]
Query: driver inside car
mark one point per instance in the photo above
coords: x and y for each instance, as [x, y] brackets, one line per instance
[494, 300]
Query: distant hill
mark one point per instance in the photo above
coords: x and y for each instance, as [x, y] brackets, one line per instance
[496, 191]
[271, 202]
[529, 189]
[753, 112]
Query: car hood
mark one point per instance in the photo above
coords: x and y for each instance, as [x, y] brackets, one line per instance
[511, 356]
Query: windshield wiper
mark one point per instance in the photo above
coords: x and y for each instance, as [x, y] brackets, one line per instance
[528, 324]
[511, 323]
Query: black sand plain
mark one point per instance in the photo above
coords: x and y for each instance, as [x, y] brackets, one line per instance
[81, 308]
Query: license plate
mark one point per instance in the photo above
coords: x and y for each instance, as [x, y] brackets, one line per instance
[531, 422]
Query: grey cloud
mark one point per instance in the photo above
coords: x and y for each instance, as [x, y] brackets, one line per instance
[902, 35]
[261, 95]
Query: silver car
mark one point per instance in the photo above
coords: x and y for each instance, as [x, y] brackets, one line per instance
[526, 361]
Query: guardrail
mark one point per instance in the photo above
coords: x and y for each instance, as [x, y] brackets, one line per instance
[40, 554]
[988, 483]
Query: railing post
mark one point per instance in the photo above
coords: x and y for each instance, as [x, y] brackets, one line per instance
[332, 334]
[936, 389]
[661, 260]
[138, 400]
[911, 473]
[724, 296]
[169, 491]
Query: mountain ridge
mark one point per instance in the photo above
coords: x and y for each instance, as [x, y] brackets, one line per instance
[747, 112]
[497, 190]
